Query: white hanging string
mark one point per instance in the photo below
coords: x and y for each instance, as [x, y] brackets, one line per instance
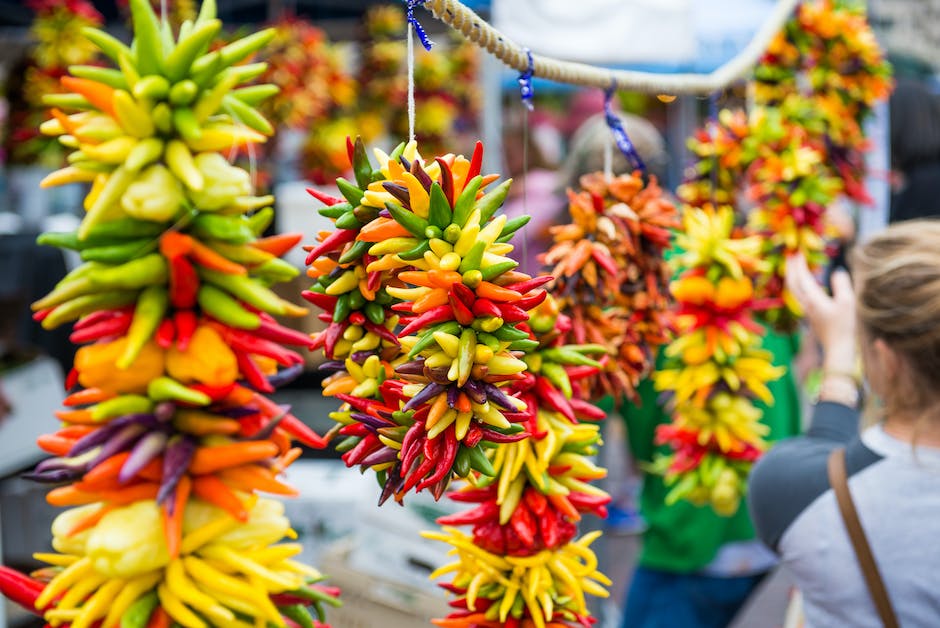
[609, 159]
[525, 186]
[411, 83]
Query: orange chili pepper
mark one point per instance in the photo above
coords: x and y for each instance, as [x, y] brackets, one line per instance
[564, 506]
[487, 290]
[98, 94]
[206, 257]
[463, 403]
[90, 520]
[288, 458]
[159, 619]
[382, 229]
[434, 298]
[278, 245]
[175, 244]
[173, 522]
[212, 459]
[419, 278]
[211, 489]
[75, 416]
[444, 278]
[252, 477]
[88, 396]
[55, 444]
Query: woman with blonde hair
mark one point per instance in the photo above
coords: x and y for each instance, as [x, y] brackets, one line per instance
[864, 551]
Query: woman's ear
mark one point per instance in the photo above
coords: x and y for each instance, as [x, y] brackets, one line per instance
[888, 366]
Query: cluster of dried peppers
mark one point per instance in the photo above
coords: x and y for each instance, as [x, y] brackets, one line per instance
[168, 438]
[610, 277]
[715, 367]
[441, 376]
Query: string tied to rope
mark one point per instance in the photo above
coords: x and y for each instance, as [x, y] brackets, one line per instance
[620, 134]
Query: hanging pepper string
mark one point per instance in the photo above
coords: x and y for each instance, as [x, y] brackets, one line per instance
[414, 26]
[620, 134]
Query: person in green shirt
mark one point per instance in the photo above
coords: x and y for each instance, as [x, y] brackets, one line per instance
[696, 568]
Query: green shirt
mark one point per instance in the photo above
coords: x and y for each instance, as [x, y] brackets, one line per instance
[684, 538]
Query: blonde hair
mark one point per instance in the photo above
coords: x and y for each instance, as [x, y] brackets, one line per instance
[897, 274]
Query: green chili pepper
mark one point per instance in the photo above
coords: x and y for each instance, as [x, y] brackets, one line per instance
[76, 308]
[298, 613]
[234, 229]
[557, 375]
[439, 213]
[347, 443]
[168, 389]
[124, 228]
[245, 289]
[335, 211]
[480, 462]
[409, 220]
[138, 614]
[417, 252]
[148, 270]
[492, 201]
[259, 221]
[220, 305]
[510, 334]
[119, 253]
[350, 192]
[375, 312]
[512, 226]
[66, 240]
[356, 300]
[473, 258]
[151, 306]
[341, 309]
[365, 213]
[357, 250]
[276, 270]
[361, 166]
[564, 355]
[120, 406]
[496, 270]
[240, 253]
[450, 327]
[524, 345]
[462, 462]
[464, 204]
[348, 221]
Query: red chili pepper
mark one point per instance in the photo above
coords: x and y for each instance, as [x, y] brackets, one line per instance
[381, 332]
[553, 398]
[536, 501]
[462, 313]
[184, 283]
[415, 476]
[524, 524]
[165, 333]
[20, 588]
[333, 241]
[580, 372]
[357, 318]
[185, 323]
[498, 437]
[332, 336]
[487, 511]
[473, 437]
[71, 380]
[605, 261]
[248, 342]
[476, 161]
[270, 330]
[326, 199]
[529, 302]
[511, 313]
[41, 315]
[374, 280]
[113, 326]
[252, 373]
[548, 528]
[437, 314]
[324, 301]
[485, 307]
[465, 294]
[404, 306]
[363, 448]
[585, 410]
[530, 284]
[445, 462]
[216, 393]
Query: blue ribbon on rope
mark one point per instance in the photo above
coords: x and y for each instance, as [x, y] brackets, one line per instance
[620, 134]
[526, 91]
[410, 14]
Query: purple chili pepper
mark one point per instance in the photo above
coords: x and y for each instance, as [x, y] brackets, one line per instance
[178, 454]
[405, 163]
[452, 392]
[415, 367]
[361, 356]
[425, 394]
[108, 430]
[386, 454]
[146, 449]
[54, 476]
[370, 421]
[286, 376]
[423, 178]
[331, 365]
[265, 432]
[164, 411]
[124, 439]
[498, 437]
[437, 374]
[476, 392]
[496, 395]
[400, 193]
[236, 412]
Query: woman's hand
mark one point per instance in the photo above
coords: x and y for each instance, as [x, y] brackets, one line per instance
[832, 319]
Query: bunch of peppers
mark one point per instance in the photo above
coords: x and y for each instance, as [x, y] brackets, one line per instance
[610, 277]
[421, 404]
[168, 437]
[521, 565]
[715, 175]
[715, 367]
[828, 53]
